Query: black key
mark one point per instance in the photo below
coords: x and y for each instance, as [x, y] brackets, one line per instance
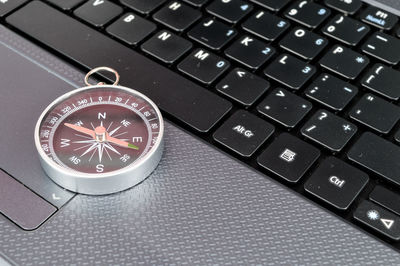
[383, 80]
[344, 62]
[284, 107]
[166, 46]
[274, 5]
[21, 205]
[98, 12]
[242, 86]
[376, 113]
[231, 11]
[9, 5]
[198, 108]
[303, 43]
[66, 4]
[346, 30]
[177, 16]
[131, 28]
[212, 33]
[307, 13]
[266, 25]
[250, 52]
[337, 183]
[329, 130]
[378, 219]
[379, 18]
[197, 3]
[386, 198]
[243, 133]
[331, 92]
[397, 136]
[203, 66]
[378, 155]
[143, 6]
[290, 71]
[347, 7]
[289, 157]
[384, 47]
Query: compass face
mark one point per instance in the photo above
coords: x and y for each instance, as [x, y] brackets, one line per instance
[99, 130]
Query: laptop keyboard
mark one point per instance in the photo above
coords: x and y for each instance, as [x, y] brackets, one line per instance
[304, 91]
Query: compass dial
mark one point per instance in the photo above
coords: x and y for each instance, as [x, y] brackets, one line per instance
[99, 130]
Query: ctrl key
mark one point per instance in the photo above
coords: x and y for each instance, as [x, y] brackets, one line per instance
[21, 205]
[379, 219]
[244, 133]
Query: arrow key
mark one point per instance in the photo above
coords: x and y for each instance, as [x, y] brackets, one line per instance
[242, 86]
[378, 219]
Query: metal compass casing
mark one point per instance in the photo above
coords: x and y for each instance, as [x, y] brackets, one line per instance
[100, 139]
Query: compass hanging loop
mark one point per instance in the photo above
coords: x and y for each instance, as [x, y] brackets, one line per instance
[98, 69]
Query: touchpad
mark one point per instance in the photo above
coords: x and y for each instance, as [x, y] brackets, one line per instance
[27, 88]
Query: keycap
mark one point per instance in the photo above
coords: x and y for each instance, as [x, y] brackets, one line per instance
[231, 11]
[98, 12]
[384, 47]
[198, 108]
[177, 16]
[375, 113]
[329, 130]
[346, 30]
[379, 18]
[65, 4]
[345, 6]
[266, 25]
[386, 198]
[383, 80]
[284, 107]
[243, 86]
[303, 43]
[332, 92]
[397, 136]
[288, 157]
[212, 33]
[197, 3]
[250, 52]
[166, 46]
[336, 183]
[9, 5]
[377, 155]
[21, 205]
[344, 62]
[203, 66]
[273, 5]
[243, 133]
[299, 71]
[378, 219]
[131, 28]
[307, 13]
[143, 6]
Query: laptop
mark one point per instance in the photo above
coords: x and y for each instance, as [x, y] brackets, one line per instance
[282, 135]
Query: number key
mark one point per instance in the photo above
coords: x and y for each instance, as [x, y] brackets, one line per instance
[266, 25]
[307, 13]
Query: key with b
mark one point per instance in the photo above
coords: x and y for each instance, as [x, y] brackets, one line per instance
[290, 71]
[376, 113]
[303, 43]
[346, 30]
[212, 33]
[383, 80]
[384, 47]
[231, 11]
[203, 66]
[166, 46]
[265, 25]
[344, 62]
[250, 52]
[329, 130]
[307, 13]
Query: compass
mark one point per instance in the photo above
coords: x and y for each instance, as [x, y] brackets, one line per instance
[100, 139]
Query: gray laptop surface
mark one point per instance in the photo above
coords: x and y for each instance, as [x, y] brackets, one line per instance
[200, 206]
